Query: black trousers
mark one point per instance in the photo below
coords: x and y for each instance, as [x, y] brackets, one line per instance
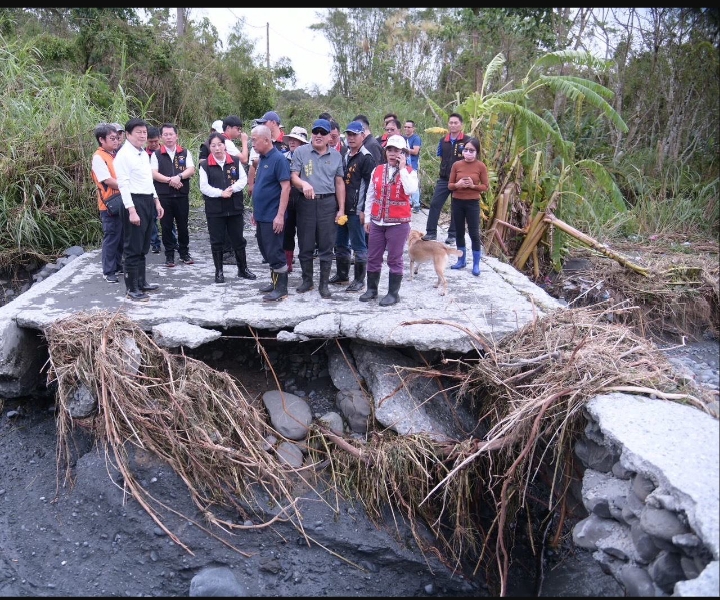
[137, 237]
[221, 224]
[466, 211]
[177, 212]
[316, 224]
[271, 246]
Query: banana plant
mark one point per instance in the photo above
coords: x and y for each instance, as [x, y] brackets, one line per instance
[519, 124]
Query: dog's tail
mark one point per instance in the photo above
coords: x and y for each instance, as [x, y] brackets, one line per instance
[453, 252]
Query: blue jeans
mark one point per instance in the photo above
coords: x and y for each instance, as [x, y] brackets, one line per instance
[351, 235]
[415, 198]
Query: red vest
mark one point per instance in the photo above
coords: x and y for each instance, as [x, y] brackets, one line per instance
[392, 206]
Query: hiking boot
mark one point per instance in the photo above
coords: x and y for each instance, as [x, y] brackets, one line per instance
[187, 259]
[429, 237]
[169, 263]
[450, 241]
[112, 278]
[155, 249]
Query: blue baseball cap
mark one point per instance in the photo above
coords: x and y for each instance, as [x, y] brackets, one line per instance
[269, 116]
[355, 127]
[322, 124]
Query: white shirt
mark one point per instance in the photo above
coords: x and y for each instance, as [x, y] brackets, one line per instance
[134, 175]
[409, 182]
[213, 192]
[171, 153]
[100, 168]
[231, 148]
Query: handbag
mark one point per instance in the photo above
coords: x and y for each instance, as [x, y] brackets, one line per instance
[114, 204]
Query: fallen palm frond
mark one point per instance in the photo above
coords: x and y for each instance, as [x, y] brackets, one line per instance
[177, 408]
[530, 389]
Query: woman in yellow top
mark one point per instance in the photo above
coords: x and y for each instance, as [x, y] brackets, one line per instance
[468, 179]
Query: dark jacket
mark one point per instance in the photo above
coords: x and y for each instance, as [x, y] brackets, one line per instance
[451, 153]
[169, 168]
[221, 178]
[358, 169]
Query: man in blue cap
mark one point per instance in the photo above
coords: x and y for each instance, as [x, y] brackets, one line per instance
[272, 121]
[358, 165]
[317, 170]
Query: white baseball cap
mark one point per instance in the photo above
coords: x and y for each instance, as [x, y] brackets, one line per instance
[396, 141]
[217, 126]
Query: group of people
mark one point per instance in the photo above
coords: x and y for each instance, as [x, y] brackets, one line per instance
[340, 200]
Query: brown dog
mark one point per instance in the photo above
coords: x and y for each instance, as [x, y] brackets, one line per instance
[421, 251]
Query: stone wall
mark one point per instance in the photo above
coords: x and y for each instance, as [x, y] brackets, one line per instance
[650, 529]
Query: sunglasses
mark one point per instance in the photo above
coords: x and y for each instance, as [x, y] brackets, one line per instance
[319, 131]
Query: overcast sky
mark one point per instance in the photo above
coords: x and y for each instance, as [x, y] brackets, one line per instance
[308, 51]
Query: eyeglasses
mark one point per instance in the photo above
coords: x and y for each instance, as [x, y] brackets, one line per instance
[112, 138]
[469, 149]
[390, 129]
[319, 131]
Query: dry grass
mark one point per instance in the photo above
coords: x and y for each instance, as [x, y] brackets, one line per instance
[197, 419]
[681, 296]
[473, 495]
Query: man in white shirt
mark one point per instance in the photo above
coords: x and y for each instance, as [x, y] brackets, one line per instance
[135, 182]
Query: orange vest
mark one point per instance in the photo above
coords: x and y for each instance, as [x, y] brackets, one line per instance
[104, 191]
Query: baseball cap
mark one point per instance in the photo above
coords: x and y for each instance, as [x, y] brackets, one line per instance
[269, 116]
[217, 126]
[322, 124]
[299, 134]
[396, 141]
[118, 127]
[355, 127]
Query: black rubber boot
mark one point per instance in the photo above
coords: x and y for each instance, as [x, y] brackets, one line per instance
[270, 286]
[359, 282]
[143, 285]
[218, 261]
[343, 268]
[307, 277]
[243, 271]
[131, 283]
[280, 282]
[325, 268]
[393, 295]
[373, 278]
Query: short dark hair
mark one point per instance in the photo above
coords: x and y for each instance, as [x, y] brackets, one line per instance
[325, 115]
[133, 123]
[103, 130]
[214, 135]
[334, 125]
[410, 121]
[153, 132]
[458, 115]
[363, 119]
[167, 126]
[387, 116]
[232, 121]
[396, 122]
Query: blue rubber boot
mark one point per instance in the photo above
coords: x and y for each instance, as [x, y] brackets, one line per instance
[476, 262]
[460, 264]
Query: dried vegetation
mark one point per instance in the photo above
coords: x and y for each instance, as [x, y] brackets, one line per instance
[529, 390]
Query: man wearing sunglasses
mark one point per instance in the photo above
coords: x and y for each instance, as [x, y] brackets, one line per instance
[317, 171]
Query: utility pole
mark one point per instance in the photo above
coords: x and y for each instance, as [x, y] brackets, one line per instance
[180, 22]
[267, 52]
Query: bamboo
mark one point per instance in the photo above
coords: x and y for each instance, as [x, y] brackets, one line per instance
[587, 240]
[500, 213]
